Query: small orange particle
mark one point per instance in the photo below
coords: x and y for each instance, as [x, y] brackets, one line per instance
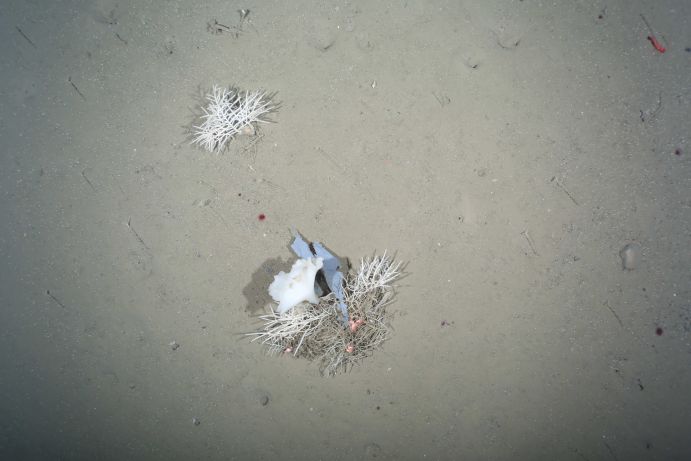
[355, 324]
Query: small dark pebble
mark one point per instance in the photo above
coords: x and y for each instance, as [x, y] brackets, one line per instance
[196, 421]
[174, 345]
[688, 49]
[659, 331]
[378, 407]
[264, 400]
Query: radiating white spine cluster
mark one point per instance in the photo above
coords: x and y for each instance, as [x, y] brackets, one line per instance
[316, 331]
[231, 112]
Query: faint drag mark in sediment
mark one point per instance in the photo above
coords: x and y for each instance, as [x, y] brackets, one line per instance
[134, 232]
[54, 298]
[561, 186]
[69, 79]
[21, 32]
[143, 262]
[611, 452]
[531, 244]
[614, 313]
[88, 181]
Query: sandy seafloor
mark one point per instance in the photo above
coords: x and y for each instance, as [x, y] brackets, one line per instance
[497, 147]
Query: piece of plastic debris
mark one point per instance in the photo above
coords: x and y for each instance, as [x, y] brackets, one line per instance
[331, 268]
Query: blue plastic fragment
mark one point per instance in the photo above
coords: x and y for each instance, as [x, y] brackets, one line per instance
[300, 247]
[334, 277]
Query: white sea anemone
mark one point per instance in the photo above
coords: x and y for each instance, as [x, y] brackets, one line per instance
[289, 290]
[230, 112]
